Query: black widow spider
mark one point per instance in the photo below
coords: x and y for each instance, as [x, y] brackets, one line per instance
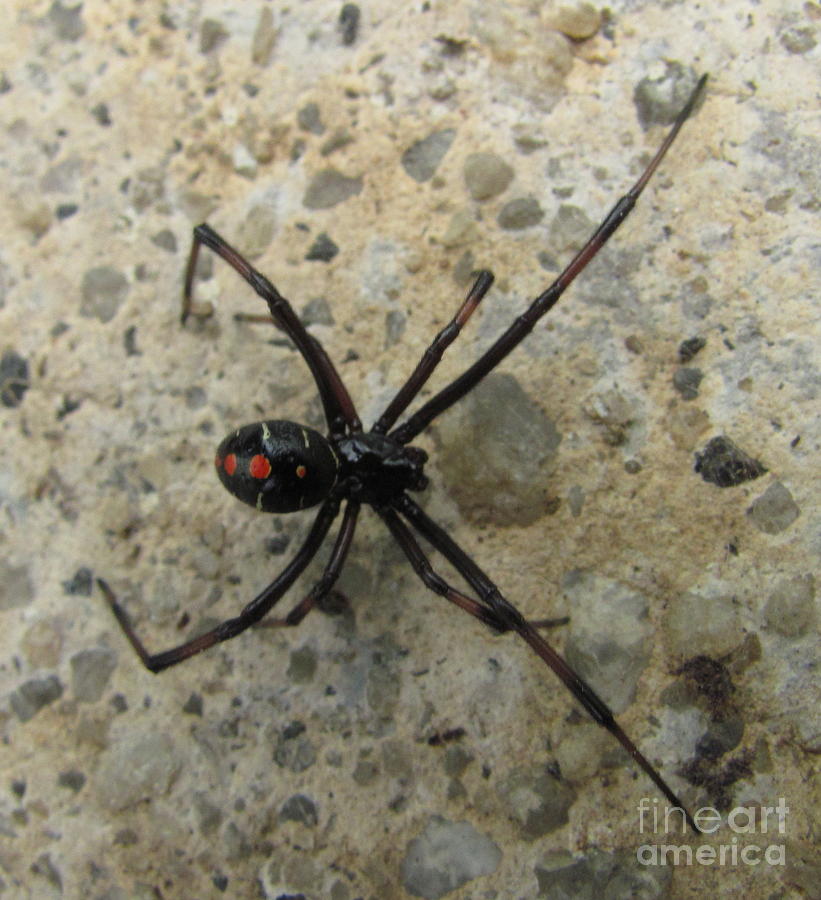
[281, 467]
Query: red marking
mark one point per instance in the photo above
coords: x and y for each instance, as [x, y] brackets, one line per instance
[259, 467]
[230, 464]
[301, 471]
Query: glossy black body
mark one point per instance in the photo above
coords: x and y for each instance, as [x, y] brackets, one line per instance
[377, 469]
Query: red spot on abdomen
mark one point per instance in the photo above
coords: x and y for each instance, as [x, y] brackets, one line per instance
[259, 467]
[230, 464]
[301, 471]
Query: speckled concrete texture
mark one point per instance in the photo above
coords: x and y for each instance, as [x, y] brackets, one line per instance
[369, 158]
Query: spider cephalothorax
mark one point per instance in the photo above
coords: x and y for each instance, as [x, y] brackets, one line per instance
[281, 467]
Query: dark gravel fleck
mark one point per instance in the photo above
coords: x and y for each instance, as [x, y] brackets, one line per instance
[130, 341]
[165, 240]
[686, 381]
[14, 378]
[193, 705]
[277, 544]
[349, 23]
[323, 249]
[309, 119]
[317, 312]
[299, 808]
[80, 584]
[212, 35]
[72, 779]
[101, 114]
[723, 464]
[659, 100]
[688, 349]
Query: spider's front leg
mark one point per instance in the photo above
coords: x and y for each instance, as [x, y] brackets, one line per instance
[340, 412]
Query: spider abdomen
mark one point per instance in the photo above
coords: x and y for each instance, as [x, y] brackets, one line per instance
[277, 466]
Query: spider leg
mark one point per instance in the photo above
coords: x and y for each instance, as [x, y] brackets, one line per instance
[336, 401]
[432, 356]
[251, 614]
[332, 569]
[494, 608]
[524, 324]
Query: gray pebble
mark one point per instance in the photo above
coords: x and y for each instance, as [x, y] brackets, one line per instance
[696, 623]
[569, 229]
[165, 240]
[609, 639]
[799, 39]
[90, 672]
[497, 448]
[302, 665]
[309, 119]
[775, 510]
[486, 175]
[317, 312]
[686, 381]
[33, 695]
[601, 876]
[67, 21]
[62, 177]
[577, 21]
[137, 768]
[445, 856]
[520, 213]
[103, 291]
[257, 231]
[422, 159]
[294, 751]
[659, 100]
[395, 322]
[329, 188]
[537, 801]
[209, 815]
[148, 187]
[16, 588]
[791, 608]
[265, 36]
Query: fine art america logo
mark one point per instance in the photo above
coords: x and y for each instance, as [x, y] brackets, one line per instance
[752, 831]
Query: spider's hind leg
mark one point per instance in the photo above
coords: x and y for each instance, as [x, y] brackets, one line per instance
[492, 608]
[252, 613]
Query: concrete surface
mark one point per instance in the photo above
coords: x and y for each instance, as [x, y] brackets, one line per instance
[399, 749]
